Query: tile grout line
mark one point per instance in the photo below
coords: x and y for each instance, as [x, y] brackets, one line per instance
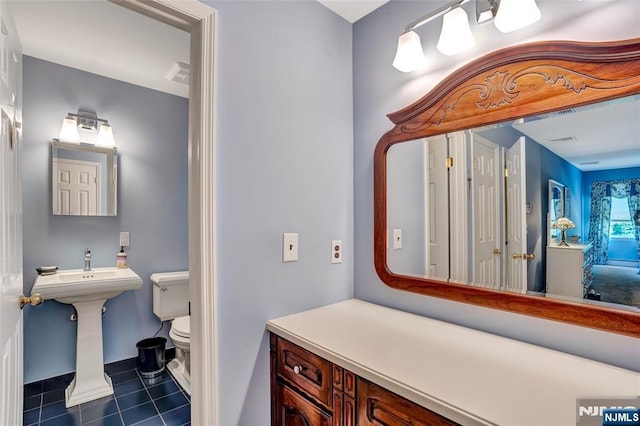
[118, 407]
[40, 407]
[150, 397]
[146, 387]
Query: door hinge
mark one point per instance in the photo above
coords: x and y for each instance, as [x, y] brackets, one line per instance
[448, 162]
[506, 172]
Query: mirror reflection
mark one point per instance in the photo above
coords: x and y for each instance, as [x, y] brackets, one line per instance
[84, 179]
[556, 207]
[477, 206]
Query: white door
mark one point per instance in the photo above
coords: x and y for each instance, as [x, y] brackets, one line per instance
[77, 187]
[11, 391]
[516, 219]
[437, 208]
[487, 241]
[459, 205]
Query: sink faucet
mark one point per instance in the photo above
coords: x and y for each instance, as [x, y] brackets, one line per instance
[87, 259]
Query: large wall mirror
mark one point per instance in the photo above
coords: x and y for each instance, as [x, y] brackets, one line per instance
[480, 179]
[83, 179]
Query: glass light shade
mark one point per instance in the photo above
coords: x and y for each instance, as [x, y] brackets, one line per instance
[409, 56]
[69, 130]
[563, 223]
[105, 135]
[515, 14]
[455, 36]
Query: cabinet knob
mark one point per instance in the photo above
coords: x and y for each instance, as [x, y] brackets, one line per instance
[297, 369]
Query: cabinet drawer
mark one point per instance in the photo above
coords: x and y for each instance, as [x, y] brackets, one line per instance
[310, 373]
[380, 407]
[295, 410]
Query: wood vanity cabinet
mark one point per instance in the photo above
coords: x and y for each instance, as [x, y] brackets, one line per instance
[307, 390]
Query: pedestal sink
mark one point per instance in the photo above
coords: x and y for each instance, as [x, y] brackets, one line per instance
[87, 291]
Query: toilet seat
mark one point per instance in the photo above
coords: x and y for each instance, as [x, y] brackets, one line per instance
[181, 327]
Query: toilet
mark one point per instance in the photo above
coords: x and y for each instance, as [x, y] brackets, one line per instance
[171, 302]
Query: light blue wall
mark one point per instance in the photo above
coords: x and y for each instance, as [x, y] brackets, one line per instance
[150, 129]
[380, 89]
[406, 186]
[284, 164]
[543, 165]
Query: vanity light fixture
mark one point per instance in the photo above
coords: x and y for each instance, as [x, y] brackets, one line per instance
[456, 35]
[88, 122]
[409, 55]
[105, 135]
[486, 10]
[69, 130]
[515, 14]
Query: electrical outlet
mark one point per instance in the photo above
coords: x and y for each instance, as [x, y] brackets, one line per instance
[336, 251]
[397, 239]
[124, 239]
[290, 247]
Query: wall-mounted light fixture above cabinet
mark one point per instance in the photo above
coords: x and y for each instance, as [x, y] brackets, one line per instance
[456, 36]
[95, 131]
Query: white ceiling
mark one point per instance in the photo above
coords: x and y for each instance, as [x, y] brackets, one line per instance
[592, 138]
[109, 40]
[102, 38]
[106, 39]
[352, 10]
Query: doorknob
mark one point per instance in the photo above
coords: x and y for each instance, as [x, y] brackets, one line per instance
[524, 256]
[497, 251]
[34, 300]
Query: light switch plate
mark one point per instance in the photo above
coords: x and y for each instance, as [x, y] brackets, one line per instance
[397, 239]
[290, 247]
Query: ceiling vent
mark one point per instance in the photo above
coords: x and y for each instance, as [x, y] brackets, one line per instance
[589, 163]
[563, 112]
[179, 72]
[563, 139]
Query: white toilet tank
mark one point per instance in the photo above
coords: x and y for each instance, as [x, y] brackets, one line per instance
[170, 294]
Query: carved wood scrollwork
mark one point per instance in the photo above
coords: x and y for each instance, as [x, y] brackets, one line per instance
[515, 82]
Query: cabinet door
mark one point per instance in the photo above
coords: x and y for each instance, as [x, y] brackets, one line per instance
[379, 407]
[306, 371]
[295, 410]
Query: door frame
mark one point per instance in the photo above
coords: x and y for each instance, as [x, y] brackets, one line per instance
[200, 21]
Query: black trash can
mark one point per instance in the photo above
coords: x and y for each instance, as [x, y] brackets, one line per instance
[151, 356]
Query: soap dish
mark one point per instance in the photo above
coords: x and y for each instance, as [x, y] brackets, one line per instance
[47, 270]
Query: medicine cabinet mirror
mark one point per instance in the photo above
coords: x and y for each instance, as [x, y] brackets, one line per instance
[468, 181]
[84, 179]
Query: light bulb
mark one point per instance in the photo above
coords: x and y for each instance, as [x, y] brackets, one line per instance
[69, 130]
[455, 36]
[409, 55]
[105, 135]
[515, 14]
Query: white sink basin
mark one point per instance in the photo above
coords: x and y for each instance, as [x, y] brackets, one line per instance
[87, 291]
[76, 285]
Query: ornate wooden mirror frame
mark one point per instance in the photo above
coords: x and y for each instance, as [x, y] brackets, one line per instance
[514, 82]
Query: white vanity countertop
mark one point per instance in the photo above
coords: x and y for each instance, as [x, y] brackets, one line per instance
[465, 375]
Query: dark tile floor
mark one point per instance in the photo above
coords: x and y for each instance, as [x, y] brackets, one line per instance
[136, 401]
